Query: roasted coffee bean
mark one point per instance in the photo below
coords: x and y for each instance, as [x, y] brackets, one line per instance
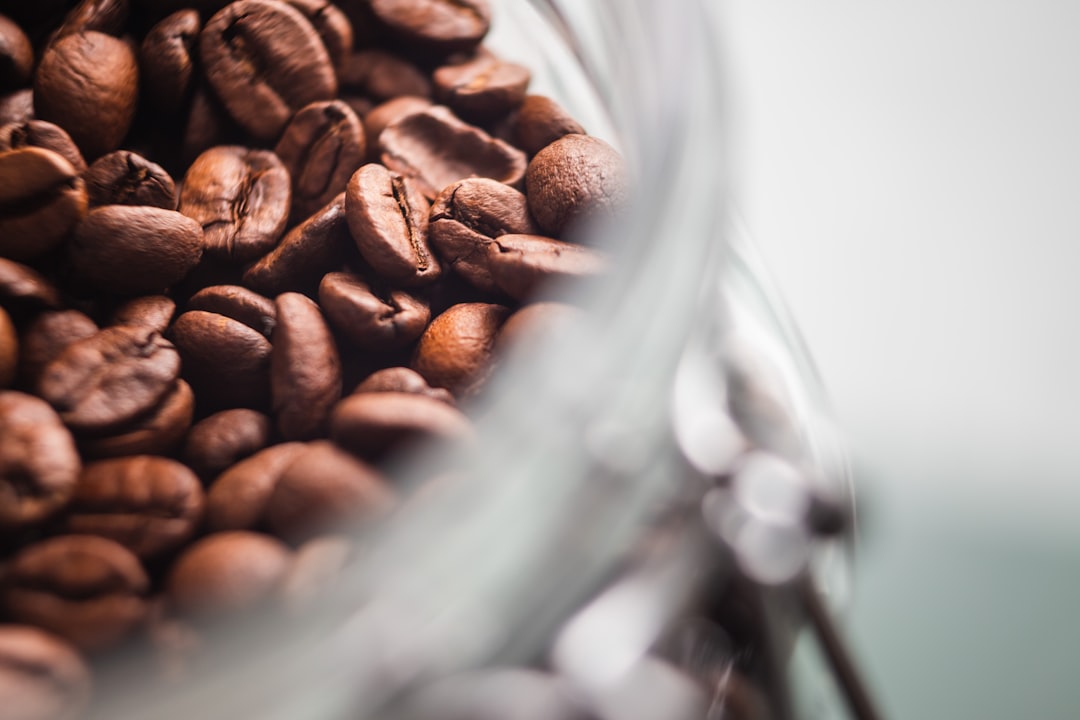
[521, 264]
[435, 149]
[305, 254]
[323, 488]
[9, 350]
[541, 121]
[111, 378]
[150, 505]
[238, 498]
[388, 219]
[483, 87]
[125, 178]
[17, 107]
[226, 361]
[157, 433]
[218, 442]
[402, 380]
[575, 178]
[381, 116]
[440, 25]
[377, 321]
[153, 311]
[318, 563]
[383, 76]
[132, 250]
[104, 16]
[333, 26]
[41, 676]
[265, 61]
[305, 368]
[467, 217]
[455, 350]
[88, 590]
[167, 60]
[46, 135]
[322, 147]
[38, 462]
[41, 199]
[240, 197]
[374, 424]
[22, 287]
[88, 84]
[47, 336]
[238, 303]
[16, 56]
[227, 573]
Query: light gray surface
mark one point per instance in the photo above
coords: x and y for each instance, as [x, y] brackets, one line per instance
[911, 171]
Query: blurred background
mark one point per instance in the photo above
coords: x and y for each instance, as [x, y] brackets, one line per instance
[911, 172]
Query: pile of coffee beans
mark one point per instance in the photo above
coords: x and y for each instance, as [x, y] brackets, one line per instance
[248, 250]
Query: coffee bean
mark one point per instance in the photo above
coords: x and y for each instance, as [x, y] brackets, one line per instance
[388, 219]
[38, 462]
[88, 84]
[380, 117]
[152, 311]
[377, 321]
[105, 16]
[88, 590]
[41, 676]
[375, 424]
[157, 433]
[223, 439]
[17, 107]
[110, 378]
[238, 303]
[322, 147]
[483, 87]
[38, 133]
[381, 76]
[226, 362]
[520, 265]
[541, 121]
[238, 498]
[575, 178]
[325, 488]
[305, 369]
[167, 60]
[150, 505]
[435, 149]
[9, 350]
[535, 323]
[41, 199]
[22, 287]
[318, 563]
[240, 197]
[125, 178]
[47, 336]
[441, 25]
[133, 250]
[331, 24]
[402, 380]
[265, 61]
[227, 573]
[455, 350]
[465, 220]
[207, 125]
[16, 56]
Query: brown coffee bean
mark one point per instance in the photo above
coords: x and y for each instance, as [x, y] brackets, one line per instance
[381, 76]
[388, 219]
[402, 380]
[150, 505]
[238, 498]
[9, 350]
[467, 217]
[88, 590]
[38, 133]
[133, 250]
[240, 197]
[22, 287]
[483, 87]
[153, 311]
[374, 424]
[305, 368]
[38, 461]
[105, 16]
[441, 25]
[47, 336]
[376, 321]
[265, 61]
[317, 565]
[110, 378]
[226, 362]
[541, 121]
[157, 433]
[323, 489]
[306, 253]
[17, 107]
[225, 438]
[382, 116]
[435, 149]
[322, 147]
[41, 199]
[455, 350]
[573, 179]
[238, 303]
[125, 178]
[521, 264]
[167, 60]
[41, 676]
[88, 84]
[16, 56]
[227, 573]
[333, 26]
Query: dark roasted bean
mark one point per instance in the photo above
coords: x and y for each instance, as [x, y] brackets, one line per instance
[220, 441]
[47, 336]
[381, 116]
[225, 360]
[46, 135]
[522, 264]
[402, 380]
[333, 26]
[455, 350]
[157, 433]
[374, 424]
[575, 178]
[238, 303]
[441, 25]
[9, 350]
[305, 368]
[237, 500]
[41, 676]
[16, 56]
[482, 87]
[167, 60]
[383, 76]
[41, 199]
[125, 178]
[376, 321]
[541, 121]
[153, 311]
